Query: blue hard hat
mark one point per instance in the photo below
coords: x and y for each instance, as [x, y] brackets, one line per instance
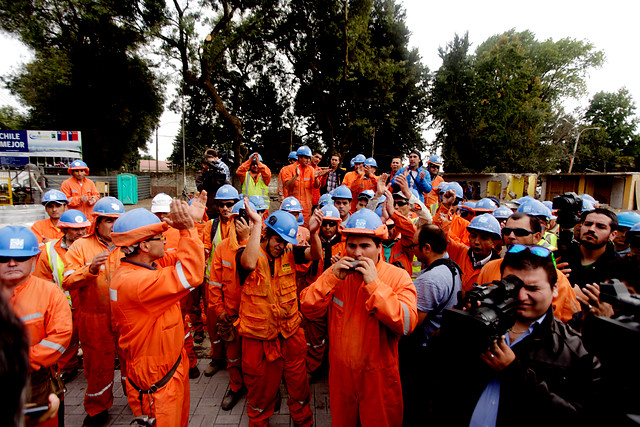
[73, 218]
[457, 188]
[379, 210]
[331, 213]
[342, 192]
[235, 210]
[502, 212]
[291, 204]
[535, 208]
[634, 231]
[108, 206]
[366, 193]
[18, 241]
[293, 155]
[587, 205]
[304, 151]
[352, 163]
[523, 199]
[259, 156]
[589, 198]
[284, 224]
[135, 218]
[548, 204]
[486, 223]
[325, 199]
[259, 203]
[54, 196]
[436, 160]
[227, 192]
[365, 222]
[628, 219]
[468, 206]
[486, 205]
[359, 158]
[77, 164]
[371, 162]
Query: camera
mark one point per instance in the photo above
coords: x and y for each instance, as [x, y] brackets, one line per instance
[490, 311]
[569, 206]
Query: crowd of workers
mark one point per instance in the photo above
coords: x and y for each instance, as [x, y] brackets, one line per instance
[353, 272]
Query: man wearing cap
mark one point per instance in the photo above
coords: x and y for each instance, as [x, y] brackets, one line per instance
[433, 167]
[255, 177]
[80, 190]
[370, 305]
[145, 301]
[273, 343]
[359, 180]
[50, 267]
[161, 207]
[55, 203]
[525, 229]
[43, 309]
[299, 179]
[417, 177]
[91, 263]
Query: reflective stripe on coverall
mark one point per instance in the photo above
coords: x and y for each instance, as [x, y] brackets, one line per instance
[74, 190]
[365, 323]
[357, 184]
[302, 187]
[273, 344]
[224, 295]
[45, 229]
[145, 301]
[564, 305]
[94, 318]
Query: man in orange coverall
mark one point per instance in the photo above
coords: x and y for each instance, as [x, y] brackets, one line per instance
[91, 263]
[370, 304]
[55, 203]
[145, 302]
[299, 179]
[359, 180]
[50, 266]
[529, 232]
[80, 190]
[223, 297]
[273, 344]
[43, 309]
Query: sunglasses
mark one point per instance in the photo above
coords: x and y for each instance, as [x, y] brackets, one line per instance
[539, 251]
[227, 204]
[519, 232]
[6, 259]
[164, 239]
[329, 223]
[400, 203]
[465, 213]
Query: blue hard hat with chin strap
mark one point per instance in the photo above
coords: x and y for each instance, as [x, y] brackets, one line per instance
[18, 241]
[284, 224]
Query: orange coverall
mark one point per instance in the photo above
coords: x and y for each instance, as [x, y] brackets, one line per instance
[145, 301]
[458, 230]
[45, 229]
[74, 190]
[273, 344]
[302, 187]
[45, 312]
[43, 270]
[224, 295]
[365, 323]
[94, 318]
[432, 196]
[357, 184]
[263, 169]
[564, 305]
[401, 251]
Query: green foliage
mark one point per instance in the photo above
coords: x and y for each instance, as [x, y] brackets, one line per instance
[494, 110]
[11, 119]
[87, 73]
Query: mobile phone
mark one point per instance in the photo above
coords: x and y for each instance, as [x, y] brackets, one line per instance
[35, 411]
[354, 264]
[242, 213]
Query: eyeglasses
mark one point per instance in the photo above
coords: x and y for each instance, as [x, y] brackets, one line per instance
[519, 232]
[329, 223]
[163, 239]
[227, 204]
[465, 213]
[400, 203]
[6, 259]
[539, 251]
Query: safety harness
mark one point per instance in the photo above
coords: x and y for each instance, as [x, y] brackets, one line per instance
[155, 387]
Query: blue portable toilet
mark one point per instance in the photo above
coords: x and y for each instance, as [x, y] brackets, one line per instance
[128, 189]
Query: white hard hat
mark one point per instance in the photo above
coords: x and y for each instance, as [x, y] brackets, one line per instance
[161, 203]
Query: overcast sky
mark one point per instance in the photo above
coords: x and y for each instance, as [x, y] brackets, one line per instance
[608, 25]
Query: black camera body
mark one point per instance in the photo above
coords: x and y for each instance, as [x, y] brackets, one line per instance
[490, 312]
[569, 206]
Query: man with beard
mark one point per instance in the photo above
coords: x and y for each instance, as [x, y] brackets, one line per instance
[593, 260]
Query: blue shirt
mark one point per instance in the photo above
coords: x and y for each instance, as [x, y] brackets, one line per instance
[486, 412]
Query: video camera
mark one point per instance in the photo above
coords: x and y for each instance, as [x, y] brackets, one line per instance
[569, 206]
[490, 312]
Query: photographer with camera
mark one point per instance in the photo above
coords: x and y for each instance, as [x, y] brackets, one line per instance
[536, 372]
[215, 173]
[255, 177]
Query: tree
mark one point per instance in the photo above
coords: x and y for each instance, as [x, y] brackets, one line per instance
[87, 73]
[495, 110]
[11, 119]
[616, 145]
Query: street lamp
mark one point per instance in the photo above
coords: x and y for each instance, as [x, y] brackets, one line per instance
[575, 146]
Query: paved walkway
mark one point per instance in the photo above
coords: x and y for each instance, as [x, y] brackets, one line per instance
[206, 396]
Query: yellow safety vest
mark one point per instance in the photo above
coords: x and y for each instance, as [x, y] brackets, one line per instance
[215, 241]
[252, 188]
[57, 266]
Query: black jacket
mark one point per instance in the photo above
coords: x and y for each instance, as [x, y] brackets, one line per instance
[553, 381]
[606, 267]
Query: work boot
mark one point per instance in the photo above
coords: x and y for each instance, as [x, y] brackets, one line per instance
[97, 420]
[194, 372]
[212, 368]
[68, 376]
[198, 337]
[231, 398]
